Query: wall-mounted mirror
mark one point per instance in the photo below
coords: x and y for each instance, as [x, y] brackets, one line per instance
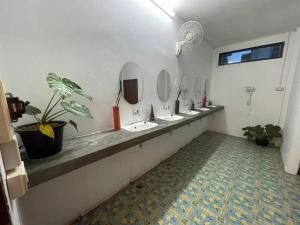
[132, 82]
[184, 86]
[197, 88]
[164, 85]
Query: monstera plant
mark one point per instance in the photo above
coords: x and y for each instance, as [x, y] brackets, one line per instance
[44, 138]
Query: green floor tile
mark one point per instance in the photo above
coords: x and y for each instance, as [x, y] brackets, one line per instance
[216, 179]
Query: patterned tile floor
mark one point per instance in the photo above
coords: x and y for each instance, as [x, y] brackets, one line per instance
[216, 179]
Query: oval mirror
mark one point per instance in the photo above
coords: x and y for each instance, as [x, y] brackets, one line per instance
[184, 86]
[132, 82]
[164, 85]
[197, 88]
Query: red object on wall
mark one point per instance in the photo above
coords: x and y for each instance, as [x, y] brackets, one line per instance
[204, 102]
[116, 115]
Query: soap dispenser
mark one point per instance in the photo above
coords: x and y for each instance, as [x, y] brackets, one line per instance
[152, 117]
[192, 105]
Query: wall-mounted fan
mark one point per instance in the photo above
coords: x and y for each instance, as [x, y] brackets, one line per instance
[189, 36]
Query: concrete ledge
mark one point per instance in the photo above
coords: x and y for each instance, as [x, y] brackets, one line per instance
[82, 151]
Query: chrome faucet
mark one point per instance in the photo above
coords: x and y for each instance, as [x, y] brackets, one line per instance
[166, 108]
[135, 113]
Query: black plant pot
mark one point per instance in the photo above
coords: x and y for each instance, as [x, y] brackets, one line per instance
[262, 142]
[38, 145]
[177, 107]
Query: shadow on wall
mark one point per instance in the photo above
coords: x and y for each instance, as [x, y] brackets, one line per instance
[217, 122]
[148, 198]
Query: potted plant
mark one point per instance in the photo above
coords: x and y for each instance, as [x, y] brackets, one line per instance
[44, 138]
[262, 135]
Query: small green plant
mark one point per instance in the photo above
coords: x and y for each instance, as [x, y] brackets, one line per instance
[269, 132]
[63, 89]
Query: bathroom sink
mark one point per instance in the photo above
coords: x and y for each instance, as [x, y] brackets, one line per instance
[203, 109]
[190, 112]
[140, 126]
[172, 118]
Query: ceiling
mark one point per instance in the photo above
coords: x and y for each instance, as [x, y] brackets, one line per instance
[231, 21]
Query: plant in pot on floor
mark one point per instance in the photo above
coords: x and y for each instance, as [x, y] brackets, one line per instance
[262, 135]
[44, 138]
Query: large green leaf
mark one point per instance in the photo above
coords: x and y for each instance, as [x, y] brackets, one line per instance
[83, 94]
[31, 110]
[58, 86]
[259, 132]
[246, 128]
[273, 131]
[76, 108]
[76, 88]
[64, 87]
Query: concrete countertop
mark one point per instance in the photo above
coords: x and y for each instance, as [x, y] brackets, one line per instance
[81, 151]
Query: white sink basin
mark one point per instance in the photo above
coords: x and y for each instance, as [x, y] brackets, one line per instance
[190, 112]
[203, 109]
[140, 126]
[172, 118]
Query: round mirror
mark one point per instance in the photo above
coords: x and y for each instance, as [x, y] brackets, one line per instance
[132, 82]
[184, 87]
[197, 88]
[164, 86]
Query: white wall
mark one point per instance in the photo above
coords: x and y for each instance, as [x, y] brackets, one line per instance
[195, 64]
[89, 42]
[291, 142]
[228, 89]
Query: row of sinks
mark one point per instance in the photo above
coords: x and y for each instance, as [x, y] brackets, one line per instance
[140, 126]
